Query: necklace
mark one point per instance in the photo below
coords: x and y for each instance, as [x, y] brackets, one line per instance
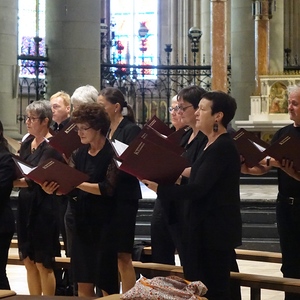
[114, 126]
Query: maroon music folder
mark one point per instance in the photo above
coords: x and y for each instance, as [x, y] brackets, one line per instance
[66, 140]
[286, 147]
[251, 147]
[51, 169]
[147, 160]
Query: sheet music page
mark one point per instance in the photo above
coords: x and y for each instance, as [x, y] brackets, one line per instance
[119, 147]
[25, 169]
[259, 147]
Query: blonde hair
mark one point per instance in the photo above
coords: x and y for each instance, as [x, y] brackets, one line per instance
[65, 96]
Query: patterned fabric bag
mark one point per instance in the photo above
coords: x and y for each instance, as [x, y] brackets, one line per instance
[170, 287]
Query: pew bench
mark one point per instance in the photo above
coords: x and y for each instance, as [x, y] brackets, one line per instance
[255, 255]
[254, 281]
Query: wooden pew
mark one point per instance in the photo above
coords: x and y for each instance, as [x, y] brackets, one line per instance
[14, 244]
[254, 281]
[264, 256]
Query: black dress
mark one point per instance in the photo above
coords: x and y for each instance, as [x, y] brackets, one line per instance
[37, 221]
[7, 220]
[94, 255]
[213, 225]
[128, 193]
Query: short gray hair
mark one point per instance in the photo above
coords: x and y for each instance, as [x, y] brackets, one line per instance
[84, 94]
[293, 88]
[42, 108]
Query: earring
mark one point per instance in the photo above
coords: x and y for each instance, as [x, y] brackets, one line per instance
[115, 110]
[216, 127]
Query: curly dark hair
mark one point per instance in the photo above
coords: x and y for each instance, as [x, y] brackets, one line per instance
[94, 115]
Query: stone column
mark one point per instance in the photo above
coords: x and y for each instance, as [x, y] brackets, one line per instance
[197, 23]
[242, 56]
[73, 39]
[205, 28]
[8, 65]
[165, 30]
[277, 38]
[292, 29]
[218, 44]
[173, 25]
[262, 41]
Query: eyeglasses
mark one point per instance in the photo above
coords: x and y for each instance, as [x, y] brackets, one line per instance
[175, 108]
[32, 119]
[80, 129]
[184, 108]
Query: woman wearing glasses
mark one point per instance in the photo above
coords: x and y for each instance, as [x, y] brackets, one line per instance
[175, 116]
[212, 223]
[37, 223]
[93, 255]
[166, 224]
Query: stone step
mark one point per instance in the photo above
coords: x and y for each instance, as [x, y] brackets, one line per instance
[260, 231]
[261, 244]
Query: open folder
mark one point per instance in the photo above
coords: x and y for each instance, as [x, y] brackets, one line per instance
[164, 130]
[66, 140]
[251, 147]
[51, 169]
[147, 160]
[286, 147]
[148, 133]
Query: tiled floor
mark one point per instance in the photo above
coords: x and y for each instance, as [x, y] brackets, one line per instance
[17, 274]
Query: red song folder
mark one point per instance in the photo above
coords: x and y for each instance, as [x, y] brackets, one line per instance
[66, 140]
[147, 160]
[51, 169]
[251, 147]
[286, 147]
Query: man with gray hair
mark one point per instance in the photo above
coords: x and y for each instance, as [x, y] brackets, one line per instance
[288, 198]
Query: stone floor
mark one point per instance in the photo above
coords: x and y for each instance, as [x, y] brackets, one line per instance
[17, 274]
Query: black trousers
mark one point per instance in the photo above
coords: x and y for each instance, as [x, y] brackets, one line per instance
[165, 237]
[212, 267]
[5, 239]
[288, 225]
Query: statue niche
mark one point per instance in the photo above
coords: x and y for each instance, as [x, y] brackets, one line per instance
[278, 101]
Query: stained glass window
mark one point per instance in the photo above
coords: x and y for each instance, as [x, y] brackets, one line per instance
[31, 23]
[130, 18]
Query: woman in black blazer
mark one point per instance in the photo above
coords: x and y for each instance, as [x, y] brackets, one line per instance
[213, 225]
[7, 221]
[124, 129]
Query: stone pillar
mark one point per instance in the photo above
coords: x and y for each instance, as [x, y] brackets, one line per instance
[165, 30]
[277, 39]
[218, 44]
[73, 39]
[262, 41]
[197, 23]
[205, 28]
[173, 25]
[242, 56]
[292, 29]
[8, 65]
